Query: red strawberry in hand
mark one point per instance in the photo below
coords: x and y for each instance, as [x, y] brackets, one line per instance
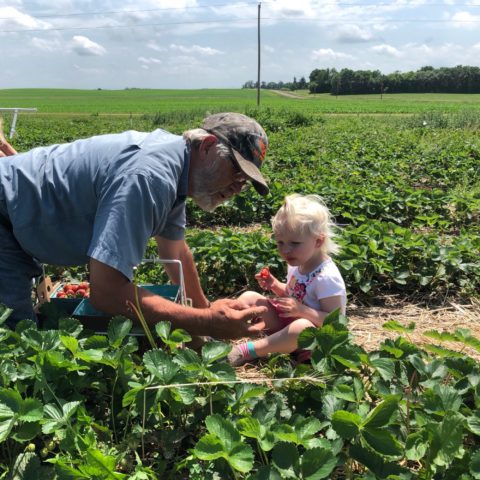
[265, 273]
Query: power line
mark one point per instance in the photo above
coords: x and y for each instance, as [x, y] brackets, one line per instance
[243, 20]
[150, 10]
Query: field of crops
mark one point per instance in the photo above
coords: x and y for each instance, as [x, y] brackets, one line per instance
[187, 101]
[405, 192]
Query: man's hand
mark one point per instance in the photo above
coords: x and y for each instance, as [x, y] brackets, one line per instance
[234, 319]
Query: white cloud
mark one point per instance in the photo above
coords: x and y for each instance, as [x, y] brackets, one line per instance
[387, 50]
[149, 60]
[329, 54]
[195, 49]
[12, 19]
[155, 47]
[353, 34]
[292, 8]
[268, 48]
[46, 45]
[465, 20]
[86, 47]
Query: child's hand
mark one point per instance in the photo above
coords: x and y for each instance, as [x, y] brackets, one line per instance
[288, 306]
[265, 279]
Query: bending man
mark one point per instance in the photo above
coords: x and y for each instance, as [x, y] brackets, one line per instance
[100, 199]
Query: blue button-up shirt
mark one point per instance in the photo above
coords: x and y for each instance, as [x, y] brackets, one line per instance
[101, 197]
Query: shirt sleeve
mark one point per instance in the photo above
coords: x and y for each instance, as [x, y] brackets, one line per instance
[329, 284]
[130, 210]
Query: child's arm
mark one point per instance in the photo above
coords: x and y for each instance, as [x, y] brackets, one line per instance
[292, 307]
[268, 282]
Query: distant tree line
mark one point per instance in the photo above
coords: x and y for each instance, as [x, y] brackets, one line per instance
[459, 79]
[302, 84]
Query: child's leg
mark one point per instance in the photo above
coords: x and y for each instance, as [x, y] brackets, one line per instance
[270, 318]
[283, 341]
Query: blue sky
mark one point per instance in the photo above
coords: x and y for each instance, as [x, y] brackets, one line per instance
[213, 44]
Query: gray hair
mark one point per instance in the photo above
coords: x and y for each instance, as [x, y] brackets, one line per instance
[195, 137]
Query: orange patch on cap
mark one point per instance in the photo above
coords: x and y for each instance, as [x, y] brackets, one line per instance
[261, 151]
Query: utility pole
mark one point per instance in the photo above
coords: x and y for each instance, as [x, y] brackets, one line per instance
[258, 69]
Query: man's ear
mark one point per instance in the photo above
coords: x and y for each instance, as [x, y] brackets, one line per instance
[207, 144]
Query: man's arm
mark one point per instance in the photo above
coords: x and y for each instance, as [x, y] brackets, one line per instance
[179, 250]
[110, 291]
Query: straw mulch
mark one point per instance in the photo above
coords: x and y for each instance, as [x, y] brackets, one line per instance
[365, 322]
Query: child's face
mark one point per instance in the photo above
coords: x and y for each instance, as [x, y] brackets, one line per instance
[297, 248]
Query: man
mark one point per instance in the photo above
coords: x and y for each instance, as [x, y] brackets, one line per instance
[100, 199]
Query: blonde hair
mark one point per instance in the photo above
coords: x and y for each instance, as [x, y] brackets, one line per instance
[307, 214]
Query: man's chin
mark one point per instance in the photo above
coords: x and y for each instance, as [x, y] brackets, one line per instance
[207, 204]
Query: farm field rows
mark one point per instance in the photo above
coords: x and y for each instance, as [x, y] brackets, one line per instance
[405, 192]
[138, 101]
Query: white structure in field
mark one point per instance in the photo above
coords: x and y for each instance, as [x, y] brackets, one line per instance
[15, 111]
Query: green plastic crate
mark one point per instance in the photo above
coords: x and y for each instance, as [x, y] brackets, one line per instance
[98, 321]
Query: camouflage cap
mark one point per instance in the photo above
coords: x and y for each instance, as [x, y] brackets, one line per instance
[247, 141]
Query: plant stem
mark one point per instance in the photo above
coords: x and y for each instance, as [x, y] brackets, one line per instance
[112, 409]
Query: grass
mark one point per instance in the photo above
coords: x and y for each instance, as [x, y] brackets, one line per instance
[138, 101]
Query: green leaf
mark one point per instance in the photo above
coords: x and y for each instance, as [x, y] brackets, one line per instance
[179, 336]
[209, 447]
[160, 365]
[398, 327]
[344, 392]
[448, 438]
[26, 467]
[381, 414]
[306, 428]
[31, 410]
[382, 441]
[5, 312]
[473, 423]
[346, 424]
[384, 366]
[441, 336]
[317, 463]
[103, 464]
[250, 427]
[118, 329]
[475, 465]
[240, 457]
[213, 351]
[5, 412]
[286, 433]
[163, 330]
[416, 445]
[223, 429]
[285, 457]
[5, 428]
[70, 343]
[375, 463]
[93, 356]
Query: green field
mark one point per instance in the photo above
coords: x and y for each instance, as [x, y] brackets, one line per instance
[215, 100]
[401, 176]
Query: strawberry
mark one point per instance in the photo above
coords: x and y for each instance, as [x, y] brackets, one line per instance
[265, 273]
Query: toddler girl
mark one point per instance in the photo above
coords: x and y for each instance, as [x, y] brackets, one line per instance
[302, 229]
